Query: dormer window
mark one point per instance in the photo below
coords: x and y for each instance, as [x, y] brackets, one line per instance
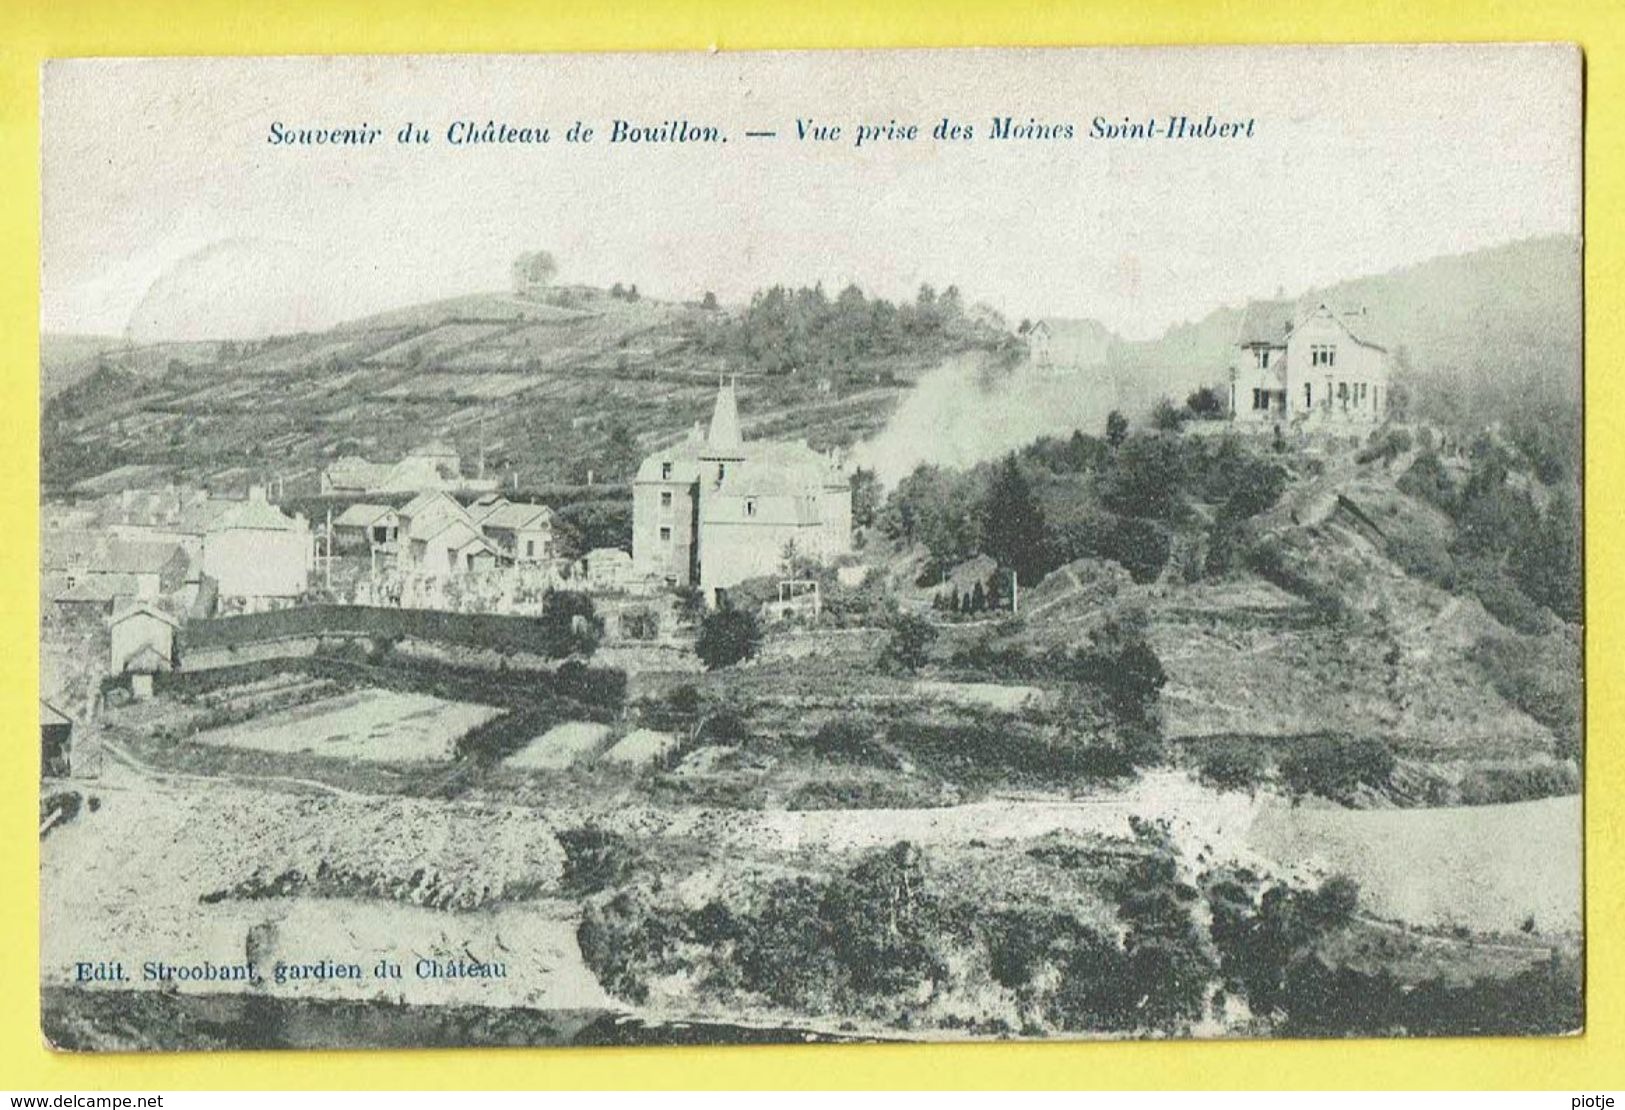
[665, 472]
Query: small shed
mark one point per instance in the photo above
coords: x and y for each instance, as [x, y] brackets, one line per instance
[139, 626]
[55, 742]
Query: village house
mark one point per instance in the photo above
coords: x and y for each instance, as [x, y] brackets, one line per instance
[1068, 344]
[364, 527]
[440, 537]
[1312, 368]
[522, 533]
[435, 466]
[93, 568]
[714, 510]
[256, 554]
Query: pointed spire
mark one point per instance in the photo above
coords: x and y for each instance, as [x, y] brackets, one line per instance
[724, 433]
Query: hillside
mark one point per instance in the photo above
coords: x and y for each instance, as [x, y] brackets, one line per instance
[1499, 319]
[570, 389]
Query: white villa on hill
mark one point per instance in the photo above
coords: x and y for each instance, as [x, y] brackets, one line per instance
[1318, 367]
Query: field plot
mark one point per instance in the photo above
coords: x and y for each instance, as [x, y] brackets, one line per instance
[481, 387]
[641, 747]
[374, 725]
[561, 746]
[433, 344]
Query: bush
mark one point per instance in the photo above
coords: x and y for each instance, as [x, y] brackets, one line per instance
[854, 738]
[1206, 403]
[600, 686]
[1238, 766]
[596, 859]
[1168, 417]
[1336, 767]
[728, 636]
[1486, 786]
[910, 645]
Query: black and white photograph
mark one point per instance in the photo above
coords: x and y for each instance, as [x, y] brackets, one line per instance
[822, 546]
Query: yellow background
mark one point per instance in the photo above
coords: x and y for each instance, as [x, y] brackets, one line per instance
[34, 30]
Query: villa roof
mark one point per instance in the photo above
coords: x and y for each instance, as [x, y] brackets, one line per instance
[361, 515]
[1266, 323]
[517, 516]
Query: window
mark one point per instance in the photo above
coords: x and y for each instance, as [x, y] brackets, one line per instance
[665, 499]
[665, 472]
[665, 535]
[1343, 392]
[1362, 393]
[530, 549]
[722, 471]
[1262, 354]
[1323, 354]
[750, 506]
[1261, 399]
[1308, 394]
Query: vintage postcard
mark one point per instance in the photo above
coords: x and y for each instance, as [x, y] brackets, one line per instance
[900, 545]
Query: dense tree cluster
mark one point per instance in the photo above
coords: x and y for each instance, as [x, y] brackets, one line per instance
[784, 329]
[1508, 549]
[1057, 500]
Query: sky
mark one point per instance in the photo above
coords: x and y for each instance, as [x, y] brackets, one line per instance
[168, 215]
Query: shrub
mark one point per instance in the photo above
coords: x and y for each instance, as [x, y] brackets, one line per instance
[1485, 786]
[1237, 766]
[596, 859]
[1168, 417]
[601, 686]
[728, 636]
[855, 738]
[1336, 766]
[910, 643]
[1206, 403]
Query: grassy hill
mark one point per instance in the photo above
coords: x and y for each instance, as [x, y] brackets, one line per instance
[574, 388]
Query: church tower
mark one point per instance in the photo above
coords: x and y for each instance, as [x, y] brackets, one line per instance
[723, 444]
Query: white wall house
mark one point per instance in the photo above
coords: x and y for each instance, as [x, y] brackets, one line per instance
[256, 552]
[1312, 368]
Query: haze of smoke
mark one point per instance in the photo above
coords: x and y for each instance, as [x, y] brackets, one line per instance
[966, 411]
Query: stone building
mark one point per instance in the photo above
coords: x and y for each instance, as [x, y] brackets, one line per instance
[714, 510]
